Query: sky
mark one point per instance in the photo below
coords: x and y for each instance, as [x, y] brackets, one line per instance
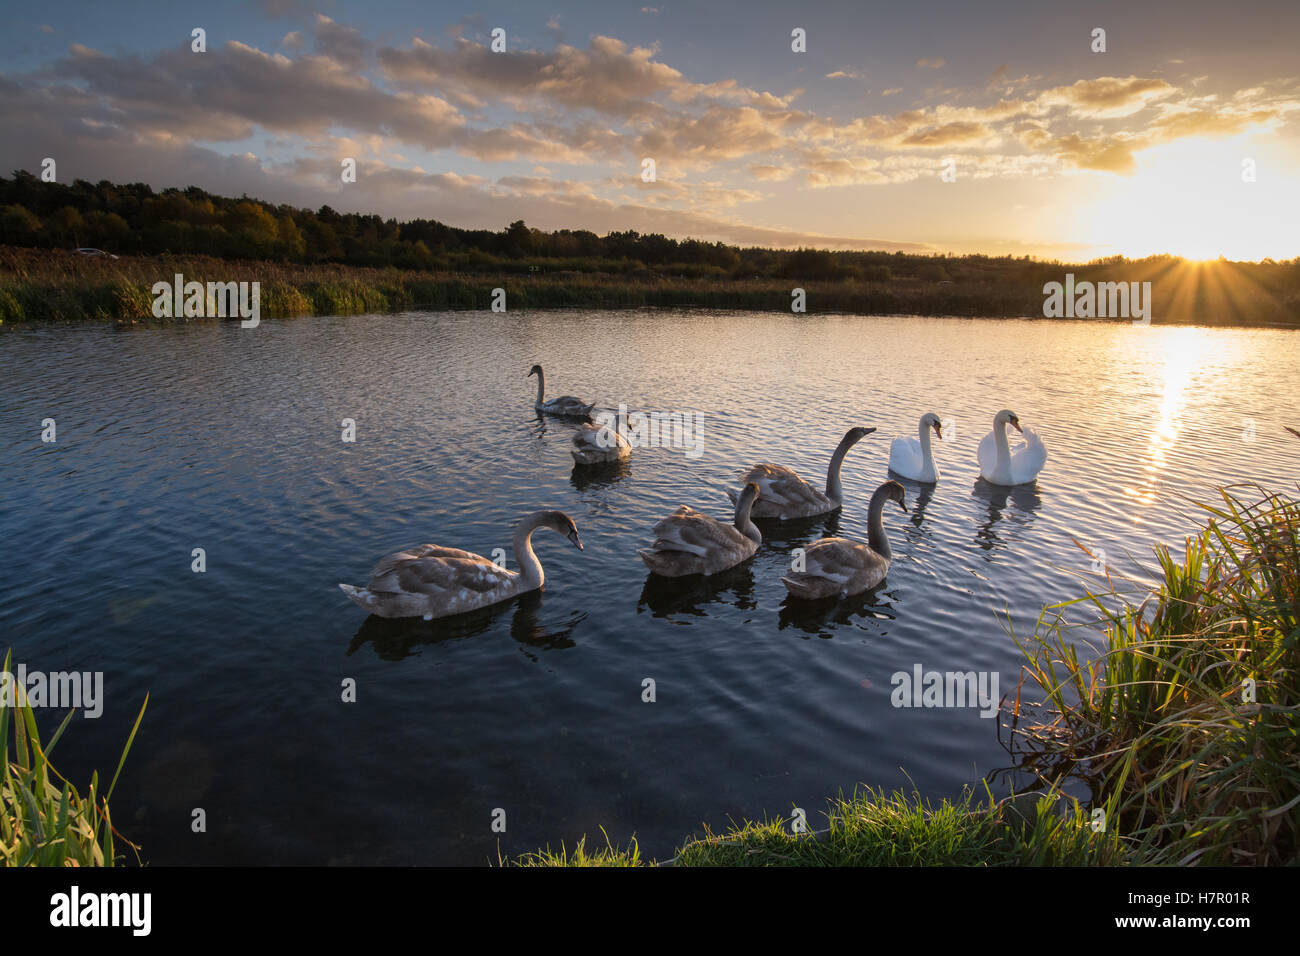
[929, 127]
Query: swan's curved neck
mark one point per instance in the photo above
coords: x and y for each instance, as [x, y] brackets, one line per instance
[876, 525]
[927, 456]
[541, 385]
[530, 569]
[1004, 447]
[743, 524]
[833, 489]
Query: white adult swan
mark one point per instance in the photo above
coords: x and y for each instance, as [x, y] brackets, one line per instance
[999, 464]
[600, 444]
[565, 405]
[688, 542]
[840, 567]
[783, 494]
[911, 457]
[430, 581]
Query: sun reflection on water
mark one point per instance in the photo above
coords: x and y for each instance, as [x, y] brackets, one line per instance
[1184, 351]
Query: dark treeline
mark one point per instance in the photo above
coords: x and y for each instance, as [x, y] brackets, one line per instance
[134, 219]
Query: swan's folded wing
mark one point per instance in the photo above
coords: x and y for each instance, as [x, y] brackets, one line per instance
[428, 574]
[781, 486]
[987, 454]
[431, 567]
[905, 456]
[682, 515]
[389, 562]
[597, 438]
[839, 559]
[693, 532]
[1029, 457]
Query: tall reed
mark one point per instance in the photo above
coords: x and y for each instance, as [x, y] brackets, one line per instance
[1186, 724]
[41, 822]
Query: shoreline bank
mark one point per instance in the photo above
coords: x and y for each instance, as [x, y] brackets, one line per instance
[45, 286]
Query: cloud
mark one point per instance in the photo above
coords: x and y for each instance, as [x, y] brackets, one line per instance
[344, 45]
[225, 93]
[931, 63]
[1108, 96]
[608, 77]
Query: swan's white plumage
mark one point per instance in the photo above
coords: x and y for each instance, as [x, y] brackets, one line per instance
[913, 458]
[905, 459]
[1022, 464]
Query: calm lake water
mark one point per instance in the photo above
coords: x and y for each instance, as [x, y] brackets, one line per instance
[215, 437]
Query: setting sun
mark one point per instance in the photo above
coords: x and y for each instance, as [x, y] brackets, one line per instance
[1190, 199]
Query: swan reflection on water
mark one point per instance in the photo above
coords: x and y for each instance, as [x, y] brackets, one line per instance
[1025, 498]
[396, 638]
[924, 493]
[823, 618]
[584, 477]
[665, 597]
[792, 533]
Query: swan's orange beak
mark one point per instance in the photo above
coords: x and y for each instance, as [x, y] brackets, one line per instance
[938, 430]
[1015, 423]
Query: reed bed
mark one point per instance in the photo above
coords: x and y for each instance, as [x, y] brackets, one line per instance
[54, 285]
[1185, 724]
[43, 823]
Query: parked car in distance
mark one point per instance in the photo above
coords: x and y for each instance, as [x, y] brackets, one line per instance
[87, 251]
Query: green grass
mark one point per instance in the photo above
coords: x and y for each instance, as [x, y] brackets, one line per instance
[43, 823]
[875, 828]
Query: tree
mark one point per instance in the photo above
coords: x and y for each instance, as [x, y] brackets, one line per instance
[519, 239]
[18, 225]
